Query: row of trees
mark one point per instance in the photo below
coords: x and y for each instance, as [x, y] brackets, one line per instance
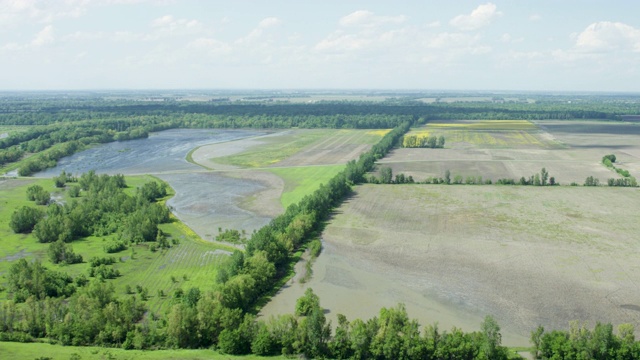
[582, 343]
[386, 177]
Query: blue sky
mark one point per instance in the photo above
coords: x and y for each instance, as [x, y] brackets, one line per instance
[293, 44]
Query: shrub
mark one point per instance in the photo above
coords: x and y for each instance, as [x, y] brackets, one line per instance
[25, 219]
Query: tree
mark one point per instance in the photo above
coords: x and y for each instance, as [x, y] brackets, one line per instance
[492, 339]
[536, 180]
[61, 252]
[307, 303]
[440, 141]
[386, 175]
[447, 177]
[544, 175]
[25, 219]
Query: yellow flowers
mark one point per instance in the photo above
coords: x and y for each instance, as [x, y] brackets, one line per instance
[486, 125]
[380, 133]
[494, 133]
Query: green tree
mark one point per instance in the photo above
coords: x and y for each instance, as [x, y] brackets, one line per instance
[306, 303]
[60, 252]
[386, 175]
[544, 176]
[25, 219]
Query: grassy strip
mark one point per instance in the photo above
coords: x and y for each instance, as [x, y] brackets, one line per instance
[190, 158]
[302, 181]
[30, 351]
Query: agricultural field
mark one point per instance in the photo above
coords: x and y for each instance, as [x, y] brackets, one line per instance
[285, 165]
[569, 150]
[289, 148]
[528, 256]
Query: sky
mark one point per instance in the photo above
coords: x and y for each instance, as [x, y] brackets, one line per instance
[542, 45]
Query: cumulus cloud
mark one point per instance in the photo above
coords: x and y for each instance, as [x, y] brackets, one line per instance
[480, 17]
[605, 36]
[368, 19]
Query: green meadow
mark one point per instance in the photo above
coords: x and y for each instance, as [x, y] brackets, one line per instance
[304, 180]
[190, 262]
[30, 351]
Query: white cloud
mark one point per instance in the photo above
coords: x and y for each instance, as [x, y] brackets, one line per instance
[45, 36]
[269, 22]
[535, 17]
[366, 18]
[480, 17]
[257, 33]
[434, 24]
[605, 36]
[13, 12]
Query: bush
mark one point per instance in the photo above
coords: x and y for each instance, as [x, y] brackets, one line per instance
[59, 252]
[315, 247]
[115, 246]
[38, 194]
[25, 219]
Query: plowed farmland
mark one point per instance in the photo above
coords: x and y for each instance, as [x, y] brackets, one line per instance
[528, 256]
[570, 150]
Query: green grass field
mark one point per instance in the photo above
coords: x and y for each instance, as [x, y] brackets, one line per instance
[190, 263]
[30, 351]
[301, 181]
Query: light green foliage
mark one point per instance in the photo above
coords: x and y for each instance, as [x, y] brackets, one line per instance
[306, 304]
[302, 181]
[315, 246]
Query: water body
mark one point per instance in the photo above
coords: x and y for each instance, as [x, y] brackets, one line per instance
[208, 201]
[204, 200]
[161, 152]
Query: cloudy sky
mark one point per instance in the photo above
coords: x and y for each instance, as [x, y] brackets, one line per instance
[331, 44]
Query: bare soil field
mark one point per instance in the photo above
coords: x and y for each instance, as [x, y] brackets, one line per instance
[528, 256]
[300, 147]
[570, 150]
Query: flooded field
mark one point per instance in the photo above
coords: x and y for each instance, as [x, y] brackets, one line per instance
[204, 200]
[453, 254]
[161, 152]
